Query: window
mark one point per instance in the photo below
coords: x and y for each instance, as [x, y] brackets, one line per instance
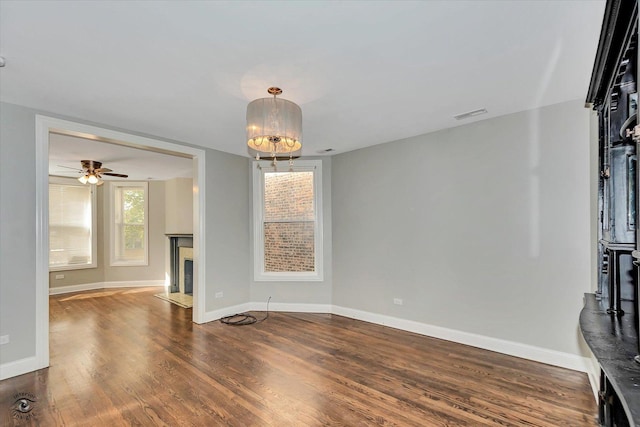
[129, 219]
[288, 222]
[72, 221]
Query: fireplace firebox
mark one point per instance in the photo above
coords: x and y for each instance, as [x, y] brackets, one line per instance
[181, 263]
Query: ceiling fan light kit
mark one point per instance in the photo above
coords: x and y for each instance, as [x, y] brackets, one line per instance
[93, 171]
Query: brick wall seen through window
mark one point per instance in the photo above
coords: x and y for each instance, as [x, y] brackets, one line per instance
[289, 222]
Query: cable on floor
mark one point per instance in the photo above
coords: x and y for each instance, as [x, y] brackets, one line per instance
[242, 319]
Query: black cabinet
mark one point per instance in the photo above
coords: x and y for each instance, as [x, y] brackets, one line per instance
[609, 320]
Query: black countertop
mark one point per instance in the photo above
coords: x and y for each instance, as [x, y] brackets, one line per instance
[614, 342]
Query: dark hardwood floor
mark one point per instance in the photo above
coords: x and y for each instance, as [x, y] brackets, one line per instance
[123, 357]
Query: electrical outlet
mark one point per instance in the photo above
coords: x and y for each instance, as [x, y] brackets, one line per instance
[397, 301]
[59, 276]
[4, 339]
[219, 294]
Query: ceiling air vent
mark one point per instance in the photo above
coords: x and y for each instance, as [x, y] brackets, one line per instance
[470, 114]
[326, 150]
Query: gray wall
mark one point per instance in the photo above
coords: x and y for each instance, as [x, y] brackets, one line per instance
[483, 228]
[301, 292]
[227, 238]
[178, 210]
[227, 233]
[17, 232]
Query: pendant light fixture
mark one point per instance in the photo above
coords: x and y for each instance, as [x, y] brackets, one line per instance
[274, 127]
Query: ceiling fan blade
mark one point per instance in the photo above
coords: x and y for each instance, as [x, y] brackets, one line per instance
[119, 175]
[65, 173]
[102, 170]
[67, 167]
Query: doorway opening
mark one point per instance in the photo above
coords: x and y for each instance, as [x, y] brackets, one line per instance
[48, 125]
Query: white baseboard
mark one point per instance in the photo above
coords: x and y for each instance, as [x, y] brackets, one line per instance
[525, 351]
[210, 316]
[19, 367]
[292, 307]
[262, 306]
[76, 288]
[105, 285]
[134, 284]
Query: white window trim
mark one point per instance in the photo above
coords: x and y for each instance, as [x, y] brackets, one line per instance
[259, 275]
[94, 225]
[113, 261]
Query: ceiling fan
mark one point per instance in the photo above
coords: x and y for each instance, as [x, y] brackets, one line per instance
[92, 172]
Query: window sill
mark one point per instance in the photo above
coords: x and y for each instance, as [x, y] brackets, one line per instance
[293, 277]
[71, 267]
[129, 264]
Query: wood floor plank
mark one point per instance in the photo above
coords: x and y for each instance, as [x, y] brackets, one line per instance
[124, 357]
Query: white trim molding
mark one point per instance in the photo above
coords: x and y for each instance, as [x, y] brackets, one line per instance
[293, 307]
[281, 307]
[76, 288]
[214, 315]
[19, 367]
[199, 227]
[258, 180]
[105, 285]
[44, 125]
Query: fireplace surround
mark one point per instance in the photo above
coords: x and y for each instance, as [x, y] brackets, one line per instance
[181, 263]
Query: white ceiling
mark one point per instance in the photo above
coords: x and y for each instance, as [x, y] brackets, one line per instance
[66, 152]
[364, 72]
